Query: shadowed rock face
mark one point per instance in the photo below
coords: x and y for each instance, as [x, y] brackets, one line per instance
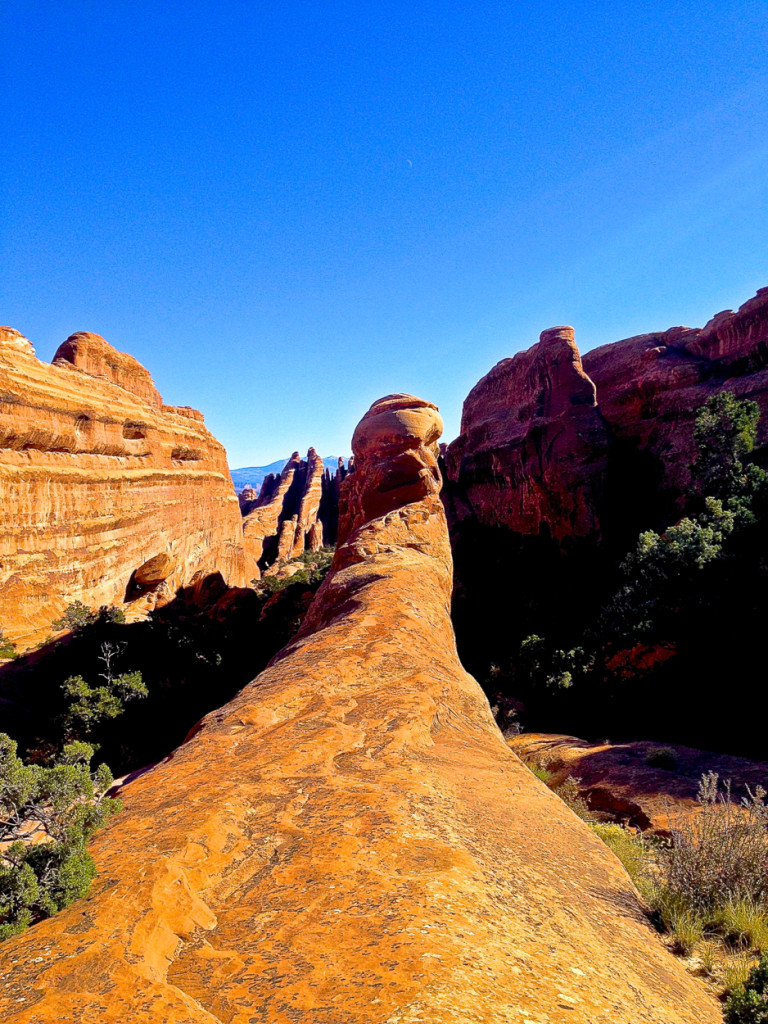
[553, 444]
[350, 839]
[98, 479]
[533, 447]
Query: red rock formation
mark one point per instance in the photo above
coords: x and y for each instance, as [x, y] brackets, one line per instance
[309, 504]
[650, 387]
[618, 780]
[263, 521]
[533, 446]
[350, 839]
[304, 492]
[539, 431]
[315, 539]
[95, 356]
[98, 479]
[328, 515]
[247, 498]
[286, 539]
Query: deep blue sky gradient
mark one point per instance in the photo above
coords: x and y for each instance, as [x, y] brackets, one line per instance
[287, 210]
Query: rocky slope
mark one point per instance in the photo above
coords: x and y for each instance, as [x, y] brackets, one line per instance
[108, 494]
[624, 783]
[350, 839]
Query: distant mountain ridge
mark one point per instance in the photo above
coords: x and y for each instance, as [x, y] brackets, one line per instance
[254, 475]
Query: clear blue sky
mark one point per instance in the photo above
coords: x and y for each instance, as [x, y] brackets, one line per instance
[286, 210]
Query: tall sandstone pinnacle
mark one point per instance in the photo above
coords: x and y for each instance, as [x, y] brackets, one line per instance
[106, 492]
[533, 444]
[350, 839]
[292, 513]
[309, 506]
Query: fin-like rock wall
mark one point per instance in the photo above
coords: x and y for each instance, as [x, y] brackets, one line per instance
[107, 494]
[350, 839]
[294, 511]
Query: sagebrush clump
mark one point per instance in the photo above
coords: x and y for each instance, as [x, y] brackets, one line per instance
[718, 857]
[707, 884]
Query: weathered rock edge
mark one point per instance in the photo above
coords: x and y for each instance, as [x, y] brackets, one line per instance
[350, 839]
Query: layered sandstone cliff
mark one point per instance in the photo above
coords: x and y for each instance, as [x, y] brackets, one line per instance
[108, 495]
[350, 839]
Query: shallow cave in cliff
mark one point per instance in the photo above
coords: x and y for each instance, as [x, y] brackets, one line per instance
[134, 431]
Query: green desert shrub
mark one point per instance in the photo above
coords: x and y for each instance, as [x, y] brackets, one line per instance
[748, 1001]
[725, 433]
[316, 565]
[662, 757]
[76, 616]
[47, 816]
[548, 666]
[542, 774]
[631, 849]
[744, 923]
[88, 705]
[708, 957]
[566, 787]
[687, 927]
[7, 648]
[568, 791]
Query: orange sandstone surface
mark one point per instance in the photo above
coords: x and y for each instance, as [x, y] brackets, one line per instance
[350, 839]
[108, 495]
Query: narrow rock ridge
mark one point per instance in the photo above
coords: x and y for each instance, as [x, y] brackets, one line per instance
[98, 478]
[350, 839]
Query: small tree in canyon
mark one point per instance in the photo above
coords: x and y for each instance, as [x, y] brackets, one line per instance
[47, 816]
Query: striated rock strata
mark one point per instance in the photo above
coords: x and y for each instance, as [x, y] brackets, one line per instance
[107, 493]
[350, 839]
